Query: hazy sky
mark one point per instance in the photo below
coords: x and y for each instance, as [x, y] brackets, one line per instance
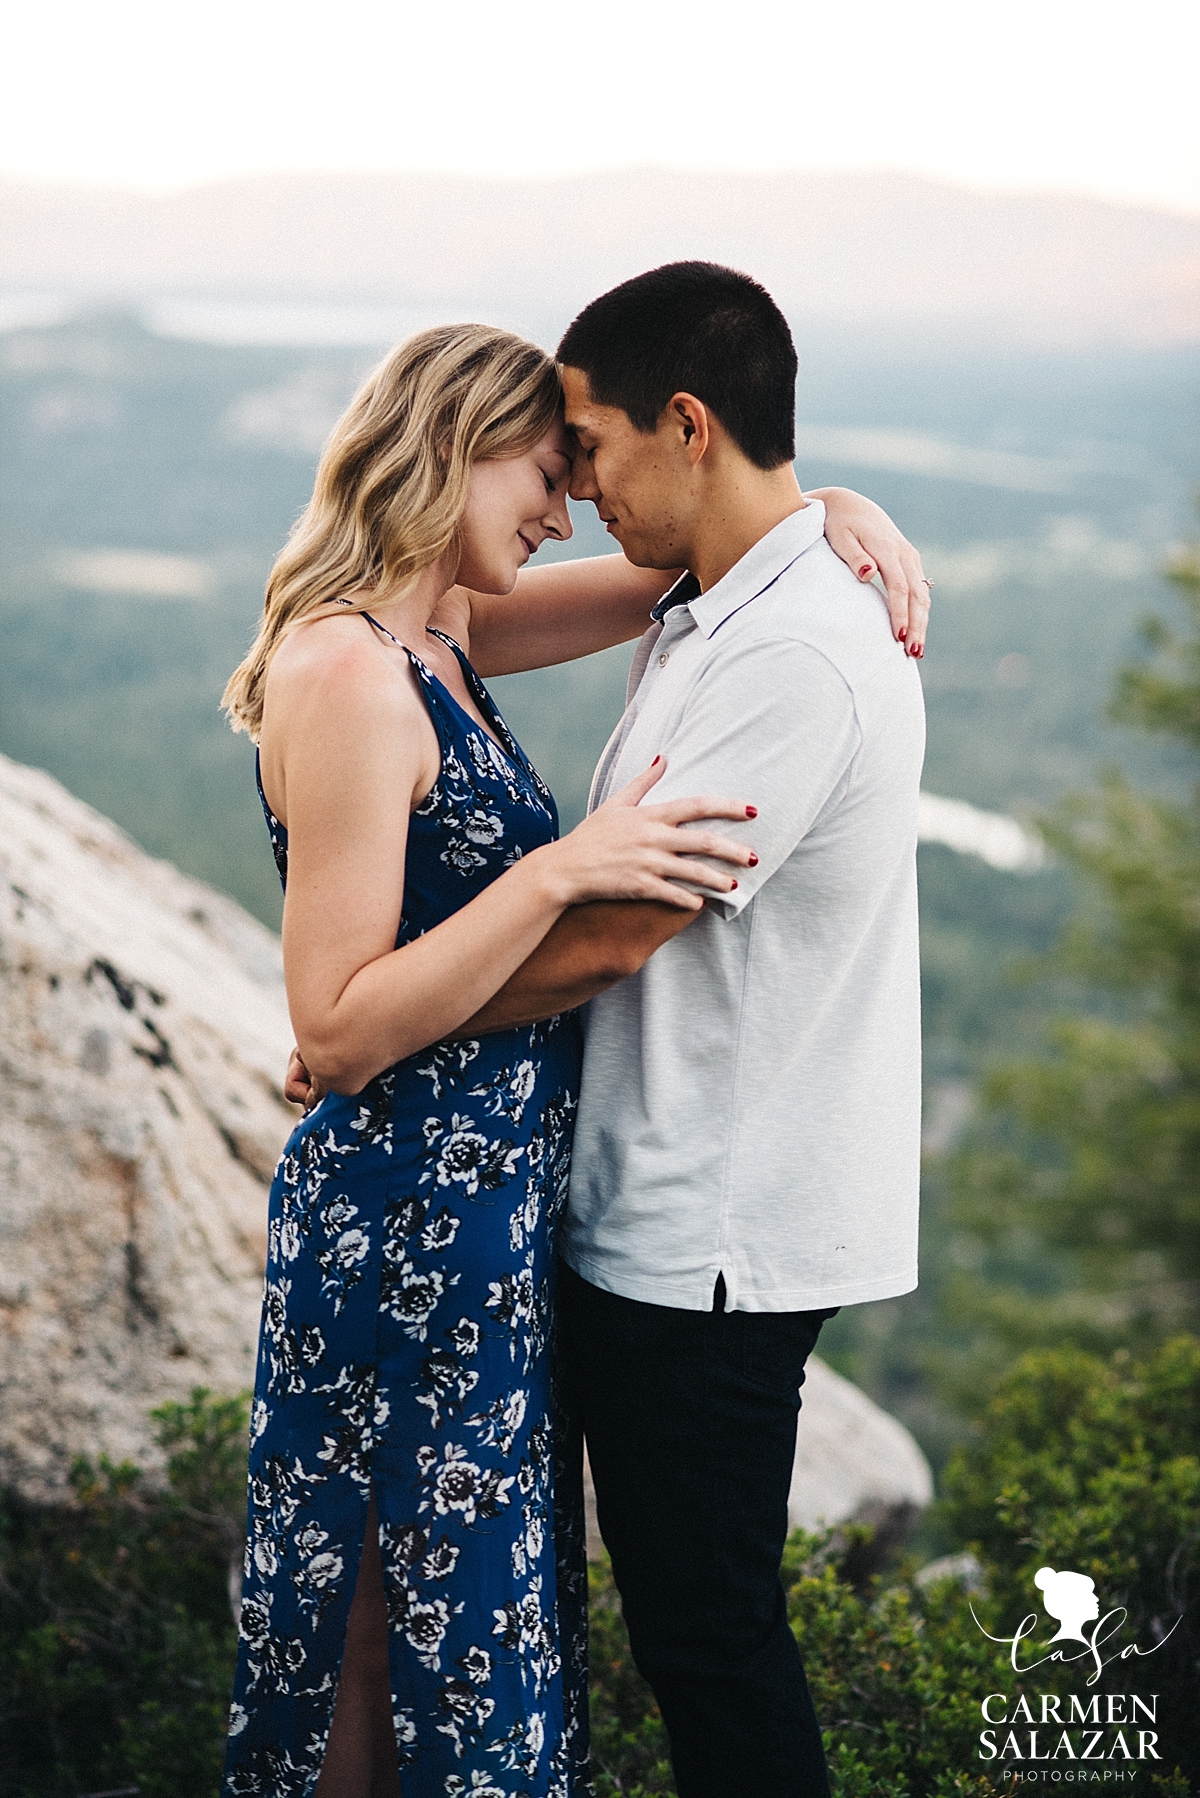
[1085, 95]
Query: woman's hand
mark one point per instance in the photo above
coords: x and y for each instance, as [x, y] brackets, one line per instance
[626, 850]
[863, 535]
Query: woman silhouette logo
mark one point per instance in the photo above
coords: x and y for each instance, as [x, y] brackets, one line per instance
[1070, 1598]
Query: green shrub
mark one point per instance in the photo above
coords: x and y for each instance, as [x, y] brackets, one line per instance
[116, 1635]
[1094, 1465]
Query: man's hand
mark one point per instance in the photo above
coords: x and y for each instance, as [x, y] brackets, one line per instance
[299, 1087]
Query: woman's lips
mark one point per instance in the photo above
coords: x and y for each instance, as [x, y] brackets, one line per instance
[530, 548]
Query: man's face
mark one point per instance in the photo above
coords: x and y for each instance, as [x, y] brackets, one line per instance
[642, 483]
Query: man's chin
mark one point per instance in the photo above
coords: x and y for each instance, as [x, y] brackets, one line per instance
[645, 555]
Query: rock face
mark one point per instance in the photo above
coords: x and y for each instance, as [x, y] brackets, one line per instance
[143, 1036]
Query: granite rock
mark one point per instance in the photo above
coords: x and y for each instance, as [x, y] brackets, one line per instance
[143, 1037]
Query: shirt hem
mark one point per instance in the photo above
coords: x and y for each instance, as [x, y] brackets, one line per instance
[682, 1295]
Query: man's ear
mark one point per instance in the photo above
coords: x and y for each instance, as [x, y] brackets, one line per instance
[691, 423]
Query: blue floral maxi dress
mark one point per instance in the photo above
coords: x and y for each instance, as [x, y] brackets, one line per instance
[405, 1352]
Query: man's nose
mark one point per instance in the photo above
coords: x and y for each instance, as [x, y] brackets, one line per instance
[582, 484]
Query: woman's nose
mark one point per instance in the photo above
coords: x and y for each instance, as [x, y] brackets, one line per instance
[557, 519]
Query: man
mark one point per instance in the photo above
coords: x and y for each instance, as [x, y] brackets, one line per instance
[747, 1147]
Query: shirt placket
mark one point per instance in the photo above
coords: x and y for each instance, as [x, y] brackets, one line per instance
[653, 657]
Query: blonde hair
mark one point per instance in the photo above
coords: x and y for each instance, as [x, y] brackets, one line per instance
[392, 481]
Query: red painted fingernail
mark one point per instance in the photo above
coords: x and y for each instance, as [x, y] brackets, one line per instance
[752, 811]
[902, 634]
[753, 859]
[734, 884]
[656, 761]
[864, 571]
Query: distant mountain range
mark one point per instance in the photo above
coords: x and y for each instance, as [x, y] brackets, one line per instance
[868, 252]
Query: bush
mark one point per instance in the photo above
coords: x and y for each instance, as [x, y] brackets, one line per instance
[1094, 1465]
[116, 1634]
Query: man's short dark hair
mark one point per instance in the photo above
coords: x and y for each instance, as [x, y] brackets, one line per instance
[693, 327]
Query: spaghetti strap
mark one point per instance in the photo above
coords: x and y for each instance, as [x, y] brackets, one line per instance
[381, 628]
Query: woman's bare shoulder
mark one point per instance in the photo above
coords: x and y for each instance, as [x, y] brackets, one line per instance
[333, 655]
[335, 695]
[334, 675]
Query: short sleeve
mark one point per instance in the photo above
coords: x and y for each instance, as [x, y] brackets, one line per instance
[774, 725]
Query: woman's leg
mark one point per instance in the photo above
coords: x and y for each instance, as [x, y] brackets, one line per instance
[361, 1759]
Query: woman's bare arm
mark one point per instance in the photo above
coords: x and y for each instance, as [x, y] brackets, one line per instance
[562, 611]
[589, 949]
[570, 609]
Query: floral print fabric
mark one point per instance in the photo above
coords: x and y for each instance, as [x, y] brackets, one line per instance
[405, 1353]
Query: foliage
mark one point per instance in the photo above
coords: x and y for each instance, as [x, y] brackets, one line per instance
[1095, 1465]
[1083, 1185]
[116, 1635]
[1079, 1462]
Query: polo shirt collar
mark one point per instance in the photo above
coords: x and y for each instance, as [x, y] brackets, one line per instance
[758, 569]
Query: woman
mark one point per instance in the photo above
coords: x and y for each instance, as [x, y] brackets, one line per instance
[402, 1611]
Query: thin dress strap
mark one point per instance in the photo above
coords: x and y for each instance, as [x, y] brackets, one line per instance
[382, 628]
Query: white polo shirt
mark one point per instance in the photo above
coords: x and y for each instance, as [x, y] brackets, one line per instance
[751, 1101]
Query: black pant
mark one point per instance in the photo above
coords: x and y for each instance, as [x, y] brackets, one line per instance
[690, 1418]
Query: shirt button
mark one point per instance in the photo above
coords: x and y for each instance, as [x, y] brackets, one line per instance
[664, 658]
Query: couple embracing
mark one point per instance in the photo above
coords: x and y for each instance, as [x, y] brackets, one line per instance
[506, 1223]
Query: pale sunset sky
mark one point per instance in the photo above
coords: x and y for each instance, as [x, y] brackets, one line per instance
[1083, 96]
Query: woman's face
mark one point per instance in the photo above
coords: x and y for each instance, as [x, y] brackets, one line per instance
[513, 504]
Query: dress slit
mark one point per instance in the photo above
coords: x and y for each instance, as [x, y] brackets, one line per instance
[378, 1727]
